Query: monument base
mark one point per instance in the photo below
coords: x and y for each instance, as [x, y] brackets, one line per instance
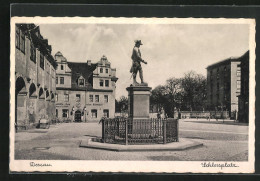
[139, 108]
[138, 101]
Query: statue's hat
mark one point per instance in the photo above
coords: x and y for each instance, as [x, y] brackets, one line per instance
[138, 42]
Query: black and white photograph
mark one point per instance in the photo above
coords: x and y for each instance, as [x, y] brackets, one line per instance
[132, 95]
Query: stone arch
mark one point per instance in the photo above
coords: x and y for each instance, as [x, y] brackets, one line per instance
[77, 116]
[20, 86]
[32, 90]
[41, 93]
[47, 94]
[20, 101]
[52, 96]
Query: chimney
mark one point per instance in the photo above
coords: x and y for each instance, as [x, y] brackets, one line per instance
[89, 62]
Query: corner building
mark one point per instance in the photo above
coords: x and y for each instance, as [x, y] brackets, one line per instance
[85, 90]
[243, 98]
[224, 84]
[35, 76]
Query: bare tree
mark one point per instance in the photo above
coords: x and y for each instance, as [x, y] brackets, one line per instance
[194, 91]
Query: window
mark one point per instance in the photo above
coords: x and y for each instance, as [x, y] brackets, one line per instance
[66, 97]
[101, 83]
[65, 113]
[61, 80]
[107, 71]
[33, 53]
[90, 98]
[107, 83]
[61, 67]
[57, 112]
[105, 98]
[96, 98]
[101, 70]
[81, 82]
[106, 113]
[78, 97]
[22, 42]
[93, 113]
[17, 38]
[41, 61]
[238, 84]
[57, 80]
[238, 71]
[56, 97]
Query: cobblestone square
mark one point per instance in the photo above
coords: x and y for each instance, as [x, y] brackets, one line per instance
[222, 141]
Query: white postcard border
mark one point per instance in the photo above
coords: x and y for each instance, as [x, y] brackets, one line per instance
[134, 166]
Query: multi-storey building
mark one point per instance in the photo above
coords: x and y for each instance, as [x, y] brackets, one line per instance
[224, 84]
[243, 98]
[35, 77]
[85, 90]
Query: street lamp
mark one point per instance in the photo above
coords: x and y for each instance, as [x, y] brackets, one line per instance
[85, 109]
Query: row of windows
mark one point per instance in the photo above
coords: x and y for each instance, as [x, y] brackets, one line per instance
[20, 40]
[78, 98]
[81, 82]
[20, 44]
[238, 72]
[91, 98]
[94, 113]
[101, 83]
[101, 70]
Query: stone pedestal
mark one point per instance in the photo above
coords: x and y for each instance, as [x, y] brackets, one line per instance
[138, 102]
[138, 111]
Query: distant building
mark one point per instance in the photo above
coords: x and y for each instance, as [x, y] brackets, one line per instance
[243, 98]
[224, 84]
[35, 77]
[85, 91]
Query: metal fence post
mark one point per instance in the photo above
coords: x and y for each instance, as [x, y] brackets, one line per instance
[164, 131]
[177, 127]
[103, 131]
[126, 131]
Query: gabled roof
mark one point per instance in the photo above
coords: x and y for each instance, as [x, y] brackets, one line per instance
[103, 60]
[82, 69]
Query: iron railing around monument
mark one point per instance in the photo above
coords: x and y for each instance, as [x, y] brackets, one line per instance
[139, 131]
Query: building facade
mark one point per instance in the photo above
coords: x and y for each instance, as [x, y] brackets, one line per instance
[85, 91]
[243, 98]
[224, 84]
[35, 77]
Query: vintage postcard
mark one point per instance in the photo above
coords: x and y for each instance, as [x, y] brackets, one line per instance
[161, 95]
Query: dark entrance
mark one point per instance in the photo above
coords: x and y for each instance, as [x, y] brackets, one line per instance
[78, 116]
[20, 100]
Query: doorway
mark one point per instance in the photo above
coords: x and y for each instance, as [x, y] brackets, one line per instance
[77, 116]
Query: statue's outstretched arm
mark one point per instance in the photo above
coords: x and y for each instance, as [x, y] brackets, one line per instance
[138, 56]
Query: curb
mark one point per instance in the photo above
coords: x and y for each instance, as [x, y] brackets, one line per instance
[190, 144]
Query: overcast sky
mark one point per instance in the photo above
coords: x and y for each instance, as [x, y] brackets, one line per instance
[170, 50]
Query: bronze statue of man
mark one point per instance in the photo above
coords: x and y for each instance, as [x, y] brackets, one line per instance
[136, 66]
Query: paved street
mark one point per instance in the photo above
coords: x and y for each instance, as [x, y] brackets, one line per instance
[222, 142]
